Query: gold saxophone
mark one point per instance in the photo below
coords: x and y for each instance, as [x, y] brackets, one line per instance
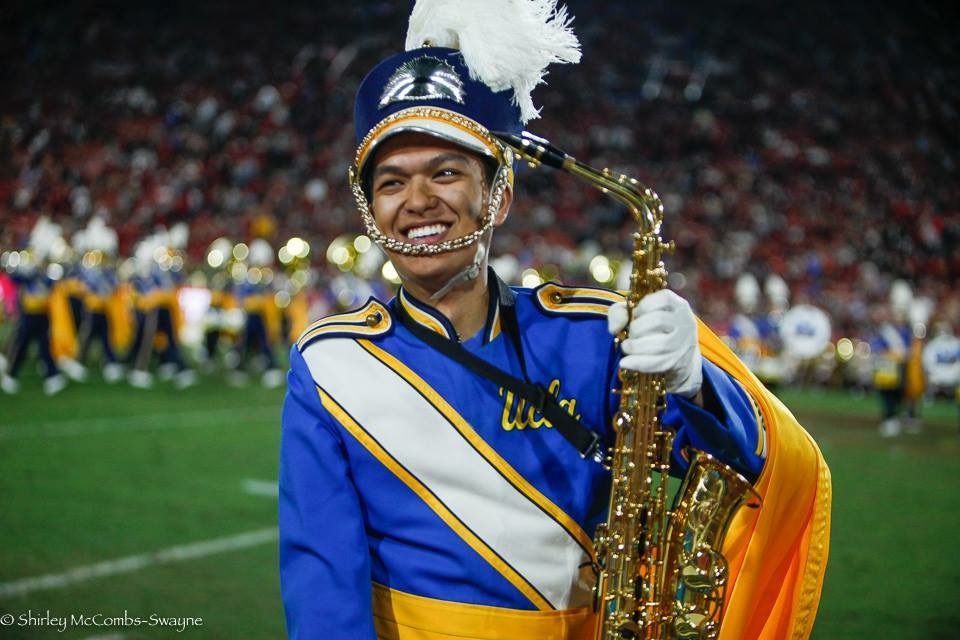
[661, 573]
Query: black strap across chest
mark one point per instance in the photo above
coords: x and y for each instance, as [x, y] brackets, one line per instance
[584, 439]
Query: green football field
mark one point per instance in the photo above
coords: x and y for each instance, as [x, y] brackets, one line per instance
[121, 504]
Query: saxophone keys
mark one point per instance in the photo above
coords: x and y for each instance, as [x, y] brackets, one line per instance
[694, 626]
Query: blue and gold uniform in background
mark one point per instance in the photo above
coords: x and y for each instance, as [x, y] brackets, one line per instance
[416, 494]
[99, 288]
[40, 318]
[158, 321]
[898, 376]
[144, 297]
[261, 329]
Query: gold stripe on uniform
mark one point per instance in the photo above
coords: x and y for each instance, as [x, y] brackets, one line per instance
[354, 322]
[554, 298]
[404, 616]
[422, 318]
[432, 501]
[495, 325]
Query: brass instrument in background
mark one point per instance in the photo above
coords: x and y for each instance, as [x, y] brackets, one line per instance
[661, 573]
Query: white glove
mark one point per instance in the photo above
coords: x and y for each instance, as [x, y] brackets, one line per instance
[662, 339]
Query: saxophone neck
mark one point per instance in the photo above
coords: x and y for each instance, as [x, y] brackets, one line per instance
[536, 149]
[642, 202]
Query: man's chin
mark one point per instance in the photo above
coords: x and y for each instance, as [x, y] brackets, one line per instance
[430, 273]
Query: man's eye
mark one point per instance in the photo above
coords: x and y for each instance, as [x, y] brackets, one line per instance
[386, 184]
[447, 173]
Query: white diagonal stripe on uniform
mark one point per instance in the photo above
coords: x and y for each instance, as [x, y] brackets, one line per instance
[425, 443]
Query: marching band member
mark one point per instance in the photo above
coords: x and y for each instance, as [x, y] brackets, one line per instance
[38, 312]
[217, 324]
[261, 328]
[426, 486]
[158, 315]
[941, 360]
[100, 285]
[142, 287]
[898, 372]
[755, 333]
[292, 285]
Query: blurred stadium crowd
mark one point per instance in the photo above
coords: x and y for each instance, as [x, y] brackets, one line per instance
[811, 148]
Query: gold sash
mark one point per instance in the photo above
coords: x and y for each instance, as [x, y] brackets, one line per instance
[403, 616]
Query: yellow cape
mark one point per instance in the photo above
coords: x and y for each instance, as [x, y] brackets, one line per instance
[777, 553]
[63, 332]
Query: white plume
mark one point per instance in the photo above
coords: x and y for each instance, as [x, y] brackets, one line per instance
[178, 235]
[901, 295]
[81, 241]
[43, 237]
[506, 44]
[747, 292]
[98, 236]
[261, 254]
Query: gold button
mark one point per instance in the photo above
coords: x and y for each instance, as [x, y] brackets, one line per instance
[556, 298]
[373, 319]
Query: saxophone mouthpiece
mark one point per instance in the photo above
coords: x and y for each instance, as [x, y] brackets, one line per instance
[534, 147]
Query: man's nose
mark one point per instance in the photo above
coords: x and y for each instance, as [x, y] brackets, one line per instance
[420, 197]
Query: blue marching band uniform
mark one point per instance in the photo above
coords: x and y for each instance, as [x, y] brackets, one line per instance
[897, 377]
[99, 286]
[134, 321]
[261, 330]
[479, 500]
[156, 313]
[420, 497]
[34, 290]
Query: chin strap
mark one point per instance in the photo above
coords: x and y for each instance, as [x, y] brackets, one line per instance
[468, 273]
[501, 181]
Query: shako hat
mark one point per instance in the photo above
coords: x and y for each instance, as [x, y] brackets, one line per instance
[469, 68]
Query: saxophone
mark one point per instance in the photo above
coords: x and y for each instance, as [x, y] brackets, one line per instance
[660, 570]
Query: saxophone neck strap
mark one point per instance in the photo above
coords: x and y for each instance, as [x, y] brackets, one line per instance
[585, 440]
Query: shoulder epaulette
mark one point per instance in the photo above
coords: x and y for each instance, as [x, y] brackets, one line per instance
[584, 301]
[369, 321]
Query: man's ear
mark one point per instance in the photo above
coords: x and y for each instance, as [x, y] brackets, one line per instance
[505, 203]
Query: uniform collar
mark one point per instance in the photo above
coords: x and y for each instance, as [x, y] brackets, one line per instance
[423, 314]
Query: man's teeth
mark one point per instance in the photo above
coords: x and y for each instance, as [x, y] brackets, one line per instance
[423, 232]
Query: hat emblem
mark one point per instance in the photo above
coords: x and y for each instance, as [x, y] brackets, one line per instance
[423, 78]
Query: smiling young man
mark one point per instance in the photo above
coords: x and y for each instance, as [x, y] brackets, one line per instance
[438, 472]
[426, 190]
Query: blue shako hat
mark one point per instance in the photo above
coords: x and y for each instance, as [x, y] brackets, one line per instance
[430, 90]
[468, 69]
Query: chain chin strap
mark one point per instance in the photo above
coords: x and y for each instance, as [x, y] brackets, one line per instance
[405, 248]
